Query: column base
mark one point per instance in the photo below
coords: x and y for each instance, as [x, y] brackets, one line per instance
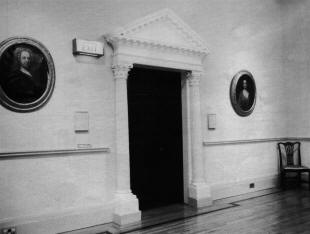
[127, 209]
[199, 195]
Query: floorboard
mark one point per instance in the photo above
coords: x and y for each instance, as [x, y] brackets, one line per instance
[270, 211]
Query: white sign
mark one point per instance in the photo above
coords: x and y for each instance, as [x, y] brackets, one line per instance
[211, 121]
[81, 121]
[84, 47]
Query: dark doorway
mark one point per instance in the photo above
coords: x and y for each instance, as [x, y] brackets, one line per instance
[155, 136]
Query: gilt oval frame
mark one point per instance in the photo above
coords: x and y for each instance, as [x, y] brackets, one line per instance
[235, 89]
[17, 106]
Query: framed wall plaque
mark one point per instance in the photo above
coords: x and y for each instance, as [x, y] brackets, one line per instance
[27, 74]
[243, 93]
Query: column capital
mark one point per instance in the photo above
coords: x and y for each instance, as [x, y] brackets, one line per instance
[194, 77]
[120, 71]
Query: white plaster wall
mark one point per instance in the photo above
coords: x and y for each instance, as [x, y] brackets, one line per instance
[244, 35]
[35, 189]
[231, 168]
[46, 185]
[241, 34]
[81, 83]
[296, 49]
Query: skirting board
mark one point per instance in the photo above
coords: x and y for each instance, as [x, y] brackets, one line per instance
[62, 221]
[219, 191]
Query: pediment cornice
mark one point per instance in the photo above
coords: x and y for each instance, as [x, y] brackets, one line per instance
[142, 33]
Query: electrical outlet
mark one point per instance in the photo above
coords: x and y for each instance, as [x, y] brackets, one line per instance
[10, 230]
[252, 185]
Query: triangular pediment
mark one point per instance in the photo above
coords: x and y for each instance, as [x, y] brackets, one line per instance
[162, 28]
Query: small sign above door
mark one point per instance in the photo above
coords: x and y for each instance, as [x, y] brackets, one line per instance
[85, 47]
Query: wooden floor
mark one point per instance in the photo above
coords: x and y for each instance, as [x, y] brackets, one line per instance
[263, 212]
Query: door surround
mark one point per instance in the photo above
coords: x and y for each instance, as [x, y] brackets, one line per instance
[161, 40]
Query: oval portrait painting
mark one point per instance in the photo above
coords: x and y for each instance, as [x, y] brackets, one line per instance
[243, 93]
[27, 74]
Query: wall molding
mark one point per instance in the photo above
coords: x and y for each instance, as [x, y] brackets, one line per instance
[5, 155]
[251, 141]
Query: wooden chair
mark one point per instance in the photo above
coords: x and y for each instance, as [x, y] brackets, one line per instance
[290, 163]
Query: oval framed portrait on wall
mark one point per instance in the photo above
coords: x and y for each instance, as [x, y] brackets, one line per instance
[27, 74]
[243, 93]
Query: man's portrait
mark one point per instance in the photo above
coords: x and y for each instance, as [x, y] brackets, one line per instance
[25, 75]
[243, 93]
[22, 83]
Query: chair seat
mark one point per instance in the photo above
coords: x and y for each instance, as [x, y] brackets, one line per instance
[296, 168]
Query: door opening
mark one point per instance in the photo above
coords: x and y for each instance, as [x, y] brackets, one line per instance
[155, 136]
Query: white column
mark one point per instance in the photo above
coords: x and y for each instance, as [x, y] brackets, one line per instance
[199, 191]
[127, 205]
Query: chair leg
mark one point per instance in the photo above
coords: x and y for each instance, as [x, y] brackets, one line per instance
[299, 179]
[308, 180]
[282, 180]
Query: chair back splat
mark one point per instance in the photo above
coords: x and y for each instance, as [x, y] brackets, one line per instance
[289, 153]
